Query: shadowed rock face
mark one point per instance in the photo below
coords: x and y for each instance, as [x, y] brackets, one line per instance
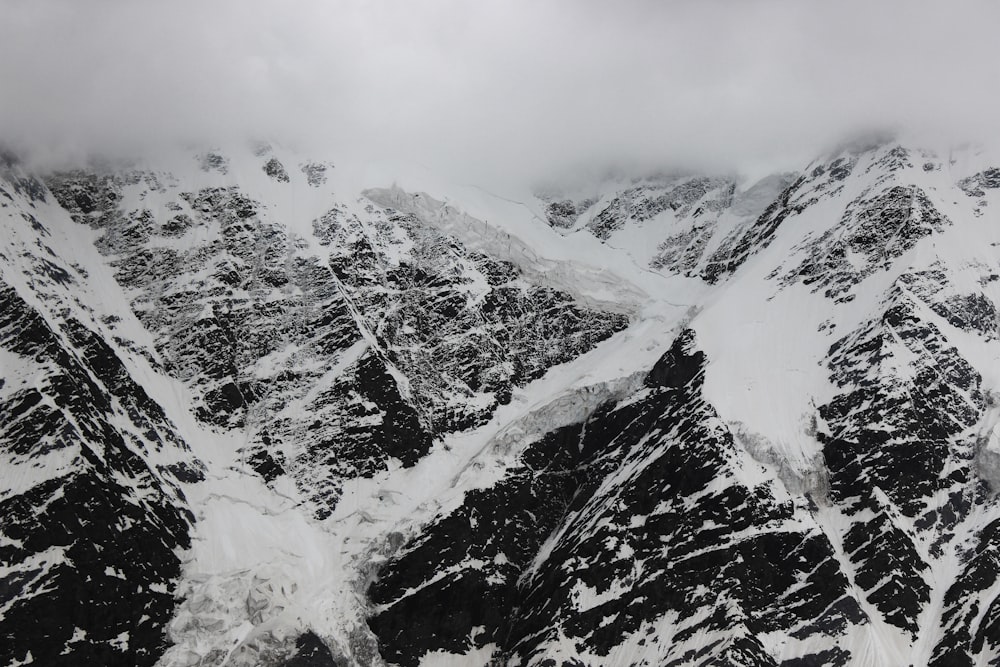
[627, 518]
[875, 230]
[387, 296]
[644, 535]
[645, 516]
[89, 544]
[679, 195]
[684, 217]
[310, 651]
[334, 358]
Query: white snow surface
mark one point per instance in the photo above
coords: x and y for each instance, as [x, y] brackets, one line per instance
[256, 552]
[764, 378]
[261, 571]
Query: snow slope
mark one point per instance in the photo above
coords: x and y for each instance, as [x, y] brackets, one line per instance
[670, 420]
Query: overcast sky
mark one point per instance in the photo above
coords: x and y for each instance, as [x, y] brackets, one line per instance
[530, 85]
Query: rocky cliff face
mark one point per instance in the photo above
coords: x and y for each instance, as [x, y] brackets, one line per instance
[255, 415]
[675, 534]
[93, 503]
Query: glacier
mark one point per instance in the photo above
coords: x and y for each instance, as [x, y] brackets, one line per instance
[259, 410]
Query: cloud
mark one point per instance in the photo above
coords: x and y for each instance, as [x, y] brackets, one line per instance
[495, 86]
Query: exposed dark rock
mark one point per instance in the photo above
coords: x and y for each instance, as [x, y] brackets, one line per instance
[315, 174]
[276, 170]
[310, 651]
[975, 186]
[876, 229]
[598, 526]
[214, 162]
[90, 545]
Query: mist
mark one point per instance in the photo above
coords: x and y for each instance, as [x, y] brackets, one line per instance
[496, 87]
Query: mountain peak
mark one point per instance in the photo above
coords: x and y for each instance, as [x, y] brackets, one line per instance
[677, 419]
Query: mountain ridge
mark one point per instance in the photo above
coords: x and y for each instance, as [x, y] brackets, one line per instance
[680, 421]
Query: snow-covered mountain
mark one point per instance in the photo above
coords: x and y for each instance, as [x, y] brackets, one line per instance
[258, 410]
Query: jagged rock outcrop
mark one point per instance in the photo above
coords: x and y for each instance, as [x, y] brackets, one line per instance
[93, 507]
[254, 417]
[335, 362]
[611, 541]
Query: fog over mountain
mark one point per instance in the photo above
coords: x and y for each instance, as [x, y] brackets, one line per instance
[468, 334]
[494, 86]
